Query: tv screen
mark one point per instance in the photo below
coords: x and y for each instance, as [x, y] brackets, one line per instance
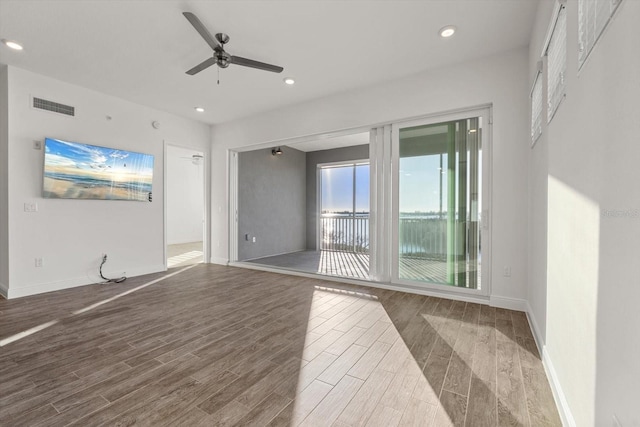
[81, 171]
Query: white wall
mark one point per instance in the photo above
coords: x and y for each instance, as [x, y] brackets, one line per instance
[592, 292]
[500, 80]
[71, 235]
[537, 237]
[4, 182]
[185, 196]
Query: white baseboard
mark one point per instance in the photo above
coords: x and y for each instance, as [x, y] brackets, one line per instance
[184, 242]
[556, 388]
[558, 395]
[508, 303]
[220, 261]
[4, 290]
[537, 335]
[276, 254]
[39, 288]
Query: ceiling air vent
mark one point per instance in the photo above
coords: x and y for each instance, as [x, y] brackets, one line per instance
[43, 104]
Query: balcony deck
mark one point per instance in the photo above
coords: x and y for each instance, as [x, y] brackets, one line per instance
[354, 265]
[330, 263]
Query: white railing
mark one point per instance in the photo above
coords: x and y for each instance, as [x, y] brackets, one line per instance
[346, 233]
[420, 237]
[423, 238]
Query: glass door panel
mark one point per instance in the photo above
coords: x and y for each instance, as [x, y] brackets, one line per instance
[336, 207]
[439, 200]
[344, 207]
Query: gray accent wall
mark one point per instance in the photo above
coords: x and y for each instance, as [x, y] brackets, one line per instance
[271, 203]
[314, 158]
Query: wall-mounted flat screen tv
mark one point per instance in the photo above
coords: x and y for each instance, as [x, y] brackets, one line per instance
[81, 171]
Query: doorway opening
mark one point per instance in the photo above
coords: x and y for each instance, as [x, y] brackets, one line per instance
[408, 205]
[306, 208]
[185, 206]
[343, 226]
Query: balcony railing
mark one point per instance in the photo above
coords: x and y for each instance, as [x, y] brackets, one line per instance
[345, 233]
[423, 238]
[420, 237]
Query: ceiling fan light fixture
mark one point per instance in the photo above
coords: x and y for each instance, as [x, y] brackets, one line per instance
[12, 44]
[199, 109]
[289, 80]
[448, 31]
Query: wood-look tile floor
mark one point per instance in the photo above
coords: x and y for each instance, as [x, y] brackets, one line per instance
[217, 345]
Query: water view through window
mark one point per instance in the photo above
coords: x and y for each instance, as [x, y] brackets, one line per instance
[440, 202]
[345, 207]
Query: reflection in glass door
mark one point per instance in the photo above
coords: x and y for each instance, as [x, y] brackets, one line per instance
[439, 203]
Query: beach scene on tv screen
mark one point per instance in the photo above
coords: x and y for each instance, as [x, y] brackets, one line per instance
[81, 171]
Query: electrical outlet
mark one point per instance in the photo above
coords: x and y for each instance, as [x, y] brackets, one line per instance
[38, 262]
[31, 207]
[506, 272]
[254, 239]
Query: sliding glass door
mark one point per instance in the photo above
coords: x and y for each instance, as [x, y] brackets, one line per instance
[439, 193]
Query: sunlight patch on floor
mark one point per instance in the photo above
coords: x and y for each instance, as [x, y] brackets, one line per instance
[24, 334]
[179, 259]
[356, 369]
[31, 331]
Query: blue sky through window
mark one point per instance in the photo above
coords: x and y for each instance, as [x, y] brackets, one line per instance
[337, 188]
[420, 184]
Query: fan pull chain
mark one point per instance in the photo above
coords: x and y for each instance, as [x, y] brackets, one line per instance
[218, 75]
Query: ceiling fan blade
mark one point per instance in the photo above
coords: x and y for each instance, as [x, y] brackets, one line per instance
[201, 29]
[255, 64]
[201, 66]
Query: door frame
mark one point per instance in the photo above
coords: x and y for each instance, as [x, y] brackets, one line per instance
[205, 199]
[381, 195]
[337, 164]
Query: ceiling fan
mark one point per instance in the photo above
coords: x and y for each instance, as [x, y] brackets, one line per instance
[220, 57]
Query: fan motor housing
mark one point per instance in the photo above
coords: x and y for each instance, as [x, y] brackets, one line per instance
[223, 59]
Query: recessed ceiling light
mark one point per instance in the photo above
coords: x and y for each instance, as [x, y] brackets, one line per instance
[289, 80]
[12, 44]
[199, 109]
[448, 31]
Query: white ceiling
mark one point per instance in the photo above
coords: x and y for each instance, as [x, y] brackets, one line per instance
[139, 50]
[327, 143]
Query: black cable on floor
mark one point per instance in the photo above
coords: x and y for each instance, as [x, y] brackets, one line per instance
[119, 280]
